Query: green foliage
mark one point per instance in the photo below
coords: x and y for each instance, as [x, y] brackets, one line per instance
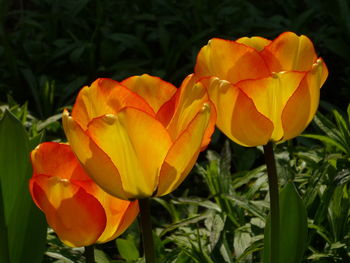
[127, 249]
[293, 227]
[22, 225]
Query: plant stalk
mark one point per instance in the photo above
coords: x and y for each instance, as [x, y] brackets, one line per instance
[89, 254]
[274, 201]
[146, 229]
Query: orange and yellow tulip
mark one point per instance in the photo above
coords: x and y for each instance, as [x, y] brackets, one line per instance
[78, 210]
[140, 137]
[263, 90]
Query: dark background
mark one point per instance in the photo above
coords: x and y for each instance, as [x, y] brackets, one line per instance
[50, 49]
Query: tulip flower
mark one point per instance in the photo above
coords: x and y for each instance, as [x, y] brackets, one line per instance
[140, 137]
[79, 211]
[263, 90]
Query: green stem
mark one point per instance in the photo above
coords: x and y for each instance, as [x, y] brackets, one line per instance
[274, 201]
[89, 254]
[146, 228]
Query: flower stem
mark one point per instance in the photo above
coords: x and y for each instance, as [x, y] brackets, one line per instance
[89, 254]
[146, 228]
[274, 201]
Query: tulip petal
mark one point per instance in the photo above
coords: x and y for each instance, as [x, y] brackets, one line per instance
[113, 207]
[76, 216]
[302, 105]
[237, 116]
[130, 214]
[290, 52]
[57, 159]
[154, 90]
[231, 61]
[189, 100]
[95, 162]
[183, 153]
[137, 144]
[270, 96]
[258, 43]
[105, 96]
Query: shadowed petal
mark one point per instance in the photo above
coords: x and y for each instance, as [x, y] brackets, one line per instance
[237, 116]
[76, 216]
[189, 100]
[117, 211]
[183, 153]
[302, 105]
[56, 159]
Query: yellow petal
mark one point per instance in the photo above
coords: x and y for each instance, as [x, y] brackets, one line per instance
[290, 52]
[105, 96]
[96, 163]
[302, 105]
[137, 144]
[189, 100]
[258, 43]
[183, 153]
[229, 60]
[76, 216]
[154, 90]
[57, 159]
[270, 96]
[237, 116]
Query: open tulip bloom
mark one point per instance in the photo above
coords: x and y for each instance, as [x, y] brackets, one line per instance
[79, 211]
[140, 137]
[263, 90]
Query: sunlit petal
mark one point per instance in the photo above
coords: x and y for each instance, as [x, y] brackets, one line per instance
[154, 90]
[290, 52]
[229, 60]
[258, 43]
[96, 162]
[105, 96]
[270, 96]
[137, 144]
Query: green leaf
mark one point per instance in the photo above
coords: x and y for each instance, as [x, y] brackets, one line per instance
[127, 249]
[326, 140]
[4, 256]
[25, 224]
[293, 227]
[100, 256]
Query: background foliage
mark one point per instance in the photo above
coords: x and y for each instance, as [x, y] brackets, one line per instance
[50, 49]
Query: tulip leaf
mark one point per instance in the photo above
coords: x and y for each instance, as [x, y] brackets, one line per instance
[127, 249]
[293, 227]
[4, 257]
[23, 223]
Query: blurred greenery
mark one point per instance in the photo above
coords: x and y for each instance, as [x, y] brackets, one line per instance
[50, 49]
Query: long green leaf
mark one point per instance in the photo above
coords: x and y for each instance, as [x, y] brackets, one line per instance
[26, 227]
[293, 227]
